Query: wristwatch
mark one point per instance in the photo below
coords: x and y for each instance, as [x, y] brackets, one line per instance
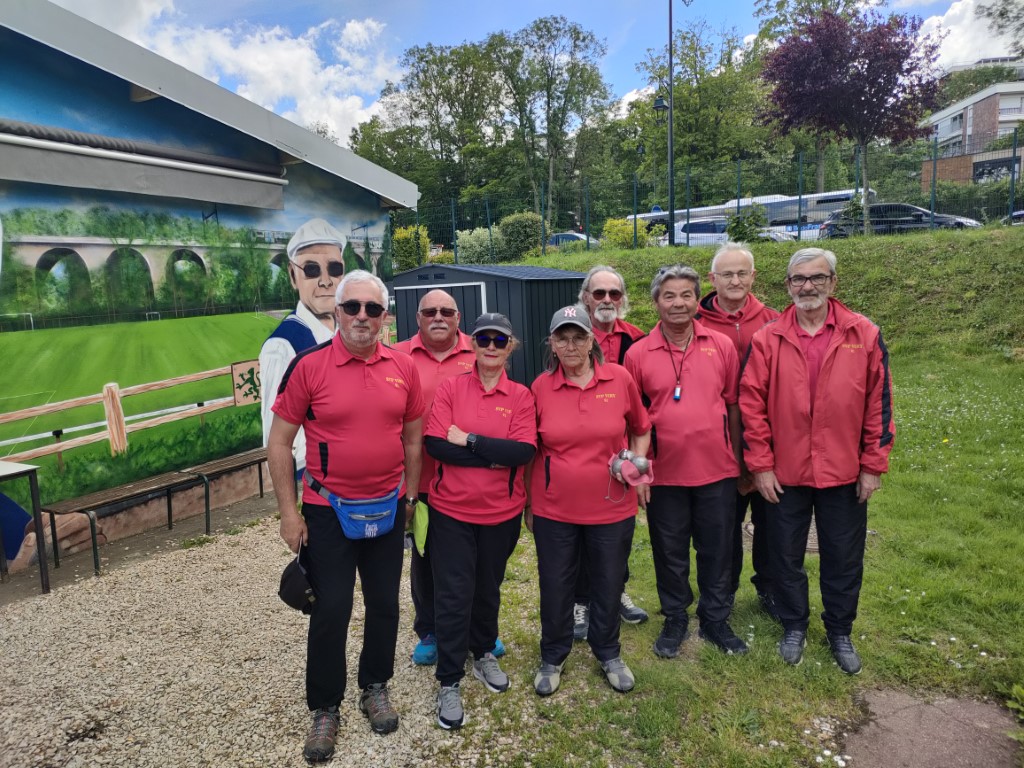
[471, 442]
[410, 501]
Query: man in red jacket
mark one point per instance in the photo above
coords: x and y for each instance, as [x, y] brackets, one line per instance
[816, 401]
[733, 310]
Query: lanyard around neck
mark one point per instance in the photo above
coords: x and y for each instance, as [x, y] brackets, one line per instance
[677, 393]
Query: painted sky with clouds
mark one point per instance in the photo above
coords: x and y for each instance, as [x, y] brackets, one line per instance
[326, 60]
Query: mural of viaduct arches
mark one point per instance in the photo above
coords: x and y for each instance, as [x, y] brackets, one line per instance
[64, 271]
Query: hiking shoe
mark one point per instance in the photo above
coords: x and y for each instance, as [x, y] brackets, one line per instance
[673, 633]
[580, 622]
[487, 671]
[548, 678]
[425, 652]
[766, 601]
[499, 648]
[319, 746]
[844, 653]
[720, 634]
[629, 612]
[449, 707]
[791, 647]
[618, 674]
[375, 703]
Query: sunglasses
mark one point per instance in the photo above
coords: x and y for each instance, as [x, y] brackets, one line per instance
[312, 270]
[432, 311]
[352, 307]
[614, 294]
[484, 341]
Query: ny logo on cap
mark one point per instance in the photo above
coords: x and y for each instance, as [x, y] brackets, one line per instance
[570, 312]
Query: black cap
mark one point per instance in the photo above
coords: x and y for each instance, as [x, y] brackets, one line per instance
[295, 589]
[492, 321]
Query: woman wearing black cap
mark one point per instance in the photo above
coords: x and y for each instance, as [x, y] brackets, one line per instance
[482, 431]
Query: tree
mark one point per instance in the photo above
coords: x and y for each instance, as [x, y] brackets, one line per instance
[322, 129]
[967, 82]
[1006, 17]
[864, 78]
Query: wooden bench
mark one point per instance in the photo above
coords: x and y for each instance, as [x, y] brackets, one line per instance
[213, 469]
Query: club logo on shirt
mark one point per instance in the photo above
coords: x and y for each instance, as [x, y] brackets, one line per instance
[505, 412]
[604, 397]
[466, 364]
[709, 351]
[852, 347]
[395, 381]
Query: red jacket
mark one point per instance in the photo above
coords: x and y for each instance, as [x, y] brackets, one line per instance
[850, 429]
[741, 326]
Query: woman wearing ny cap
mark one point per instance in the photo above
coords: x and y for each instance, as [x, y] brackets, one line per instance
[482, 431]
[587, 412]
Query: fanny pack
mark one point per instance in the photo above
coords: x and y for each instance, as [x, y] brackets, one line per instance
[361, 518]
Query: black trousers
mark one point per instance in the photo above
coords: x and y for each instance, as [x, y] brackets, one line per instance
[842, 525]
[421, 581]
[560, 548]
[582, 589]
[332, 562]
[468, 563]
[677, 514]
[761, 578]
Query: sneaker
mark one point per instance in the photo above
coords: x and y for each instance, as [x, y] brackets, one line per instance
[767, 603]
[449, 707]
[672, 636]
[628, 611]
[499, 649]
[719, 633]
[375, 703]
[580, 622]
[425, 652]
[548, 678]
[844, 653]
[319, 746]
[487, 671]
[791, 647]
[618, 674]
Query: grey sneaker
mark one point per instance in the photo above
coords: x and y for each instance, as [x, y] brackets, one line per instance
[449, 707]
[629, 612]
[487, 671]
[375, 703]
[319, 747]
[580, 622]
[548, 678]
[618, 674]
[791, 647]
[844, 653]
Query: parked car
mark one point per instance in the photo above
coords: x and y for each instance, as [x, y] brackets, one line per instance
[564, 238]
[891, 219]
[711, 231]
[1015, 219]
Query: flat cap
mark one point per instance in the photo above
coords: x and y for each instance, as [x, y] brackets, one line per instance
[314, 232]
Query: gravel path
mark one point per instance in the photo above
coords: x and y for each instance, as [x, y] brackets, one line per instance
[189, 659]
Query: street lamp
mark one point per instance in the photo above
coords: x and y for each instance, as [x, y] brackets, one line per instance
[671, 121]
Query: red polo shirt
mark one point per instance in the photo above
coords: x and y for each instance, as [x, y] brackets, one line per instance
[578, 430]
[460, 359]
[611, 342]
[475, 494]
[691, 445]
[815, 347]
[353, 412]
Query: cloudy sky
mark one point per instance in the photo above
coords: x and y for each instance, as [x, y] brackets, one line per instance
[326, 60]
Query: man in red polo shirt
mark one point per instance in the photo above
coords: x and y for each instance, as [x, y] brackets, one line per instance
[439, 350]
[733, 310]
[688, 375]
[818, 427]
[603, 293]
[361, 406]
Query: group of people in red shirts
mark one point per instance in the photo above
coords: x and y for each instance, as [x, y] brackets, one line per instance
[725, 404]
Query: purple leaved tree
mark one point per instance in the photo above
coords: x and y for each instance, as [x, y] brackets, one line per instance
[862, 77]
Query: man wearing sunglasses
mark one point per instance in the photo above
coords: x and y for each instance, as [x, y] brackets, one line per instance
[733, 310]
[315, 268]
[816, 400]
[603, 293]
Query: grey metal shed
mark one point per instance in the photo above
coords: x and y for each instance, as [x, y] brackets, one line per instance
[528, 296]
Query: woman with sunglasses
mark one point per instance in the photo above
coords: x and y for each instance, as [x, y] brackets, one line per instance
[482, 432]
[587, 412]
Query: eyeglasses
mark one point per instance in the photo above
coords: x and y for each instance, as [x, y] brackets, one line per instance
[484, 341]
[798, 281]
[728, 276]
[614, 294]
[312, 270]
[352, 307]
[445, 311]
[576, 341]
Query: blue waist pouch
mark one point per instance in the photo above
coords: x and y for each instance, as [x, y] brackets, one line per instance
[361, 518]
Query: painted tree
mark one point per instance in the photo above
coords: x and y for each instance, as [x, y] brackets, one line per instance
[1006, 17]
[865, 78]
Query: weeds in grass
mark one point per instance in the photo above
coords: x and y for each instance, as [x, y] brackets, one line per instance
[197, 541]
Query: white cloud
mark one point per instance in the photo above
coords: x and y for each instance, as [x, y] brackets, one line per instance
[969, 37]
[128, 18]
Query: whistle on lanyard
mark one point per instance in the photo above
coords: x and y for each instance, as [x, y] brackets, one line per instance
[677, 393]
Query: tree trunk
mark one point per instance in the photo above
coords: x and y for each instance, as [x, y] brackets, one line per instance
[864, 188]
[819, 148]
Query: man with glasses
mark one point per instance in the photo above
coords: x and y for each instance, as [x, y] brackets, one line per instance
[439, 350]
[733, 310]
[361, 405]
[315, 267]
[816, 399]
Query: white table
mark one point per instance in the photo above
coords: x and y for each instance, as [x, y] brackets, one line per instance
[10, 470]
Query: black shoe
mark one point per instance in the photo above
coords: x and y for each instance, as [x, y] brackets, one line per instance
[791, 647]
[844, 653]
[767, 603]
[720, 633]
[672, 636]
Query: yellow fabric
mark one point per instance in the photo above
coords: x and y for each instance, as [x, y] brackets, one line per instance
[419, 528]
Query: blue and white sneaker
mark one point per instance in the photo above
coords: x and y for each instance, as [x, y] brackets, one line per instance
[425, 652]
